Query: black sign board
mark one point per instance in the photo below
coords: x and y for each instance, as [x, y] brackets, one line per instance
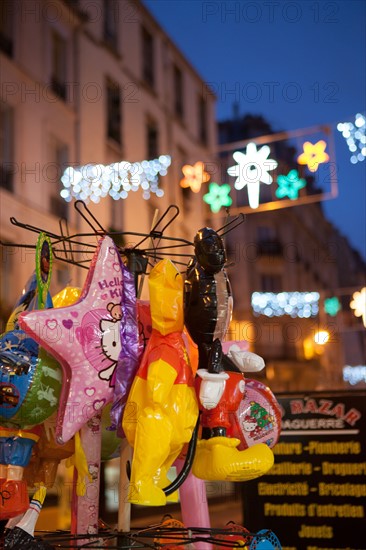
[314, 498]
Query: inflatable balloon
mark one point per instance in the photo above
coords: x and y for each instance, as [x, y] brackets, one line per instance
[15, 451]
[220, 383]
[162, 404]
[258, 417]
[208, 297]
[30, 378]
[45, 459]
[85, 339]
[128, 360]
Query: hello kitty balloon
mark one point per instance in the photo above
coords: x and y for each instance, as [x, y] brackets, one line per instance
[86, 339]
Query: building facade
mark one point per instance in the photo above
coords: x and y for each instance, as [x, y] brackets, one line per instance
[92, 83]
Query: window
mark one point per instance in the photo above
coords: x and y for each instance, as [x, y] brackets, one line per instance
[271, 283]
[58, 77]
[110, 22]
[6, 147]
[152, 140]
[7, 26]
[59, 156]
[202, 120]
[113, 111]
[148, 70]
[268, 242]
[178, 92]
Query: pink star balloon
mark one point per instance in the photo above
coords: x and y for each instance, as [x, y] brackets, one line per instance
[86, 339]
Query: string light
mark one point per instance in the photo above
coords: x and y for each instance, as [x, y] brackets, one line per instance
[321, 337]
[355, 136]
[96, 181]
[294, 304]
[355, 374]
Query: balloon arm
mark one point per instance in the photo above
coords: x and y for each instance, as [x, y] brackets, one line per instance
[212, 388]
[183, 474]
[160, 380]
[245, 361]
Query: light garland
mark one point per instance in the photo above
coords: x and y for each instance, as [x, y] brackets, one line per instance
[355, 136]
[294, 304]
[96, 181]
[355, 374]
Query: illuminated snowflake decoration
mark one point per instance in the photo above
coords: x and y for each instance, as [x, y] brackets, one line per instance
[295, 304]
[358, 304]
[332, 306]
[252, 169]
[313, 155]
[355, 136]
[194, 176]
[96, 181]
[290, 185]
[218, 196]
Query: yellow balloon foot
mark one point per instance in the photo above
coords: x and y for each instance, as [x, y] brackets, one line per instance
[218, 459]
[146, 494]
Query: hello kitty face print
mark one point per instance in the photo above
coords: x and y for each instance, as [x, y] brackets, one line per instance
[111, 346]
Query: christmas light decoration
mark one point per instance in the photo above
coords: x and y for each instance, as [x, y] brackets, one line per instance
[355, 374]
[313, 155]
[290, 185]
[218, 196]
[194, 176]
[96, 181]
[294, 304]
[358, 304]
[332, 306]
[252, 169]
[355, 136]
[321, 337]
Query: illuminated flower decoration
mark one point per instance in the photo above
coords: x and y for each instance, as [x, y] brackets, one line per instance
[313, 155]
[218, 196]
[194, 176]
[290, 185]
[332, 306]
[253, 168]
[355, 136]
[359, 304]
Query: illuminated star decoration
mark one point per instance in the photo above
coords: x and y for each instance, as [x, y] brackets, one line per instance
[332, 306]
[85, 339]
[313, 155]
[218, 196]
[194, 176]
[355, 136]
[290, 185]
[359, 304]
[253, 168]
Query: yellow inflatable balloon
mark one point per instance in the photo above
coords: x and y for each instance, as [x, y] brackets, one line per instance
[66, 297]
[162, 405]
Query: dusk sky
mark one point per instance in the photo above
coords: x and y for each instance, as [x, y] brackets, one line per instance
[299, 64]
